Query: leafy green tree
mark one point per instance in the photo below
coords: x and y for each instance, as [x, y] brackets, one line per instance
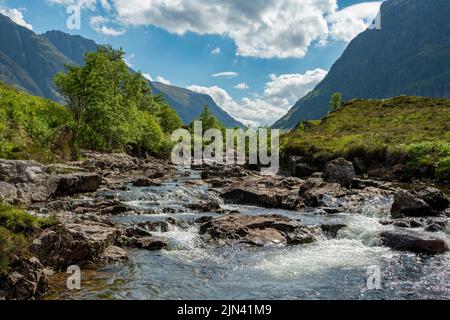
[111, 107]
[336, 101]
[209, 121]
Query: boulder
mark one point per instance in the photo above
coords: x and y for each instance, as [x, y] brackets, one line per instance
[301, 169]
[75, 183]
[115, 254]
[413, 242]
[314, 190]
[264, 192]
[29, 280]
[435, 198]
[256, 230]
[149, 243]
[74, 243]
[339, 171]
[407, 204]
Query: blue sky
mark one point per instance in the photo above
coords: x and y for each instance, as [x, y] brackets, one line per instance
[255, 58]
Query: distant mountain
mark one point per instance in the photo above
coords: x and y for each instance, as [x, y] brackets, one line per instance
[29, 62]
[189, 104]
[73, 47]
[410, 55]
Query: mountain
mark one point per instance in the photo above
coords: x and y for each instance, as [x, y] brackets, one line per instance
[187, 104]
[410, 55]
[73, 47]
[29, 62]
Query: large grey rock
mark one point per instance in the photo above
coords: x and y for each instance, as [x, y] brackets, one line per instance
[413, 242]
[75, 183]
[256, 230]
[340, 171]
[435, 198]
[407, 204]
[74, 243]
[29, 280]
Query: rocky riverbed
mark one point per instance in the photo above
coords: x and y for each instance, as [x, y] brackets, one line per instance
[144, 229]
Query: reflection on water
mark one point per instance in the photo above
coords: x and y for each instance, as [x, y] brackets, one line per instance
[327, 269]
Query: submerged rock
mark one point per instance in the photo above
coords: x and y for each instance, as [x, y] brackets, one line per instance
[413, 242]
[256, 230]
[115, 254]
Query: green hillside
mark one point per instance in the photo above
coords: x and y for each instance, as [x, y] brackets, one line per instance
[31, 127]
[411, 133]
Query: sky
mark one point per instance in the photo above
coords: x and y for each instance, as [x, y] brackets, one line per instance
[254, 58]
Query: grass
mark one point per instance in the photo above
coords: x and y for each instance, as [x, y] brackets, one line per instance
[16, 229]
[412, 131]
[31, 127]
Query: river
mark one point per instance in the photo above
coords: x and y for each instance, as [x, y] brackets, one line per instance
[328, 269]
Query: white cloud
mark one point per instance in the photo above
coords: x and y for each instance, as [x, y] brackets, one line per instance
[86, 4]
[260, 28]
[215, 51]
[347, 23]
[99, 24]
[147, 76]
[242, 86]
[226, 74]
[162, 80]
[280, 93]
[16, 16]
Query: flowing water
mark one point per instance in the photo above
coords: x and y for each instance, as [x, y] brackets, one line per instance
[328, 269]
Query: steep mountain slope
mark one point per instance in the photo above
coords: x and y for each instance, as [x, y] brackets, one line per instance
[29, 62]
[73, 47]
[190, 104]
[410, 55]
[33, 56]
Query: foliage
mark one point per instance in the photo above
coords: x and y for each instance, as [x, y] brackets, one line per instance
[31, 127]
[16, 227]
[110, 105]
[335, 102]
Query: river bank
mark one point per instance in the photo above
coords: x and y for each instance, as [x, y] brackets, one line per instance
[144, 229]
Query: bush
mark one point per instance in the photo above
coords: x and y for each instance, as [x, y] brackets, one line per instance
[21, 222]
[11, 243]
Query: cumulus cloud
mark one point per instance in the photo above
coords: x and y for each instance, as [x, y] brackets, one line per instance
[147, 76]
[100, 25]
[347, 23]
[215, 51]
[280, 93]
[241, 86]
[226, 74]
[16, 16]
[87, 4]
[162, 80]
[259, 28]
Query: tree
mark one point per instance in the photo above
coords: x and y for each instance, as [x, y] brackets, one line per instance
[111, 106]
[209, 121]
[336, 102]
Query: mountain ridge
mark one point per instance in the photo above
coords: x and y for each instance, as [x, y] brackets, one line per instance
[410, 55]
[29, 61]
